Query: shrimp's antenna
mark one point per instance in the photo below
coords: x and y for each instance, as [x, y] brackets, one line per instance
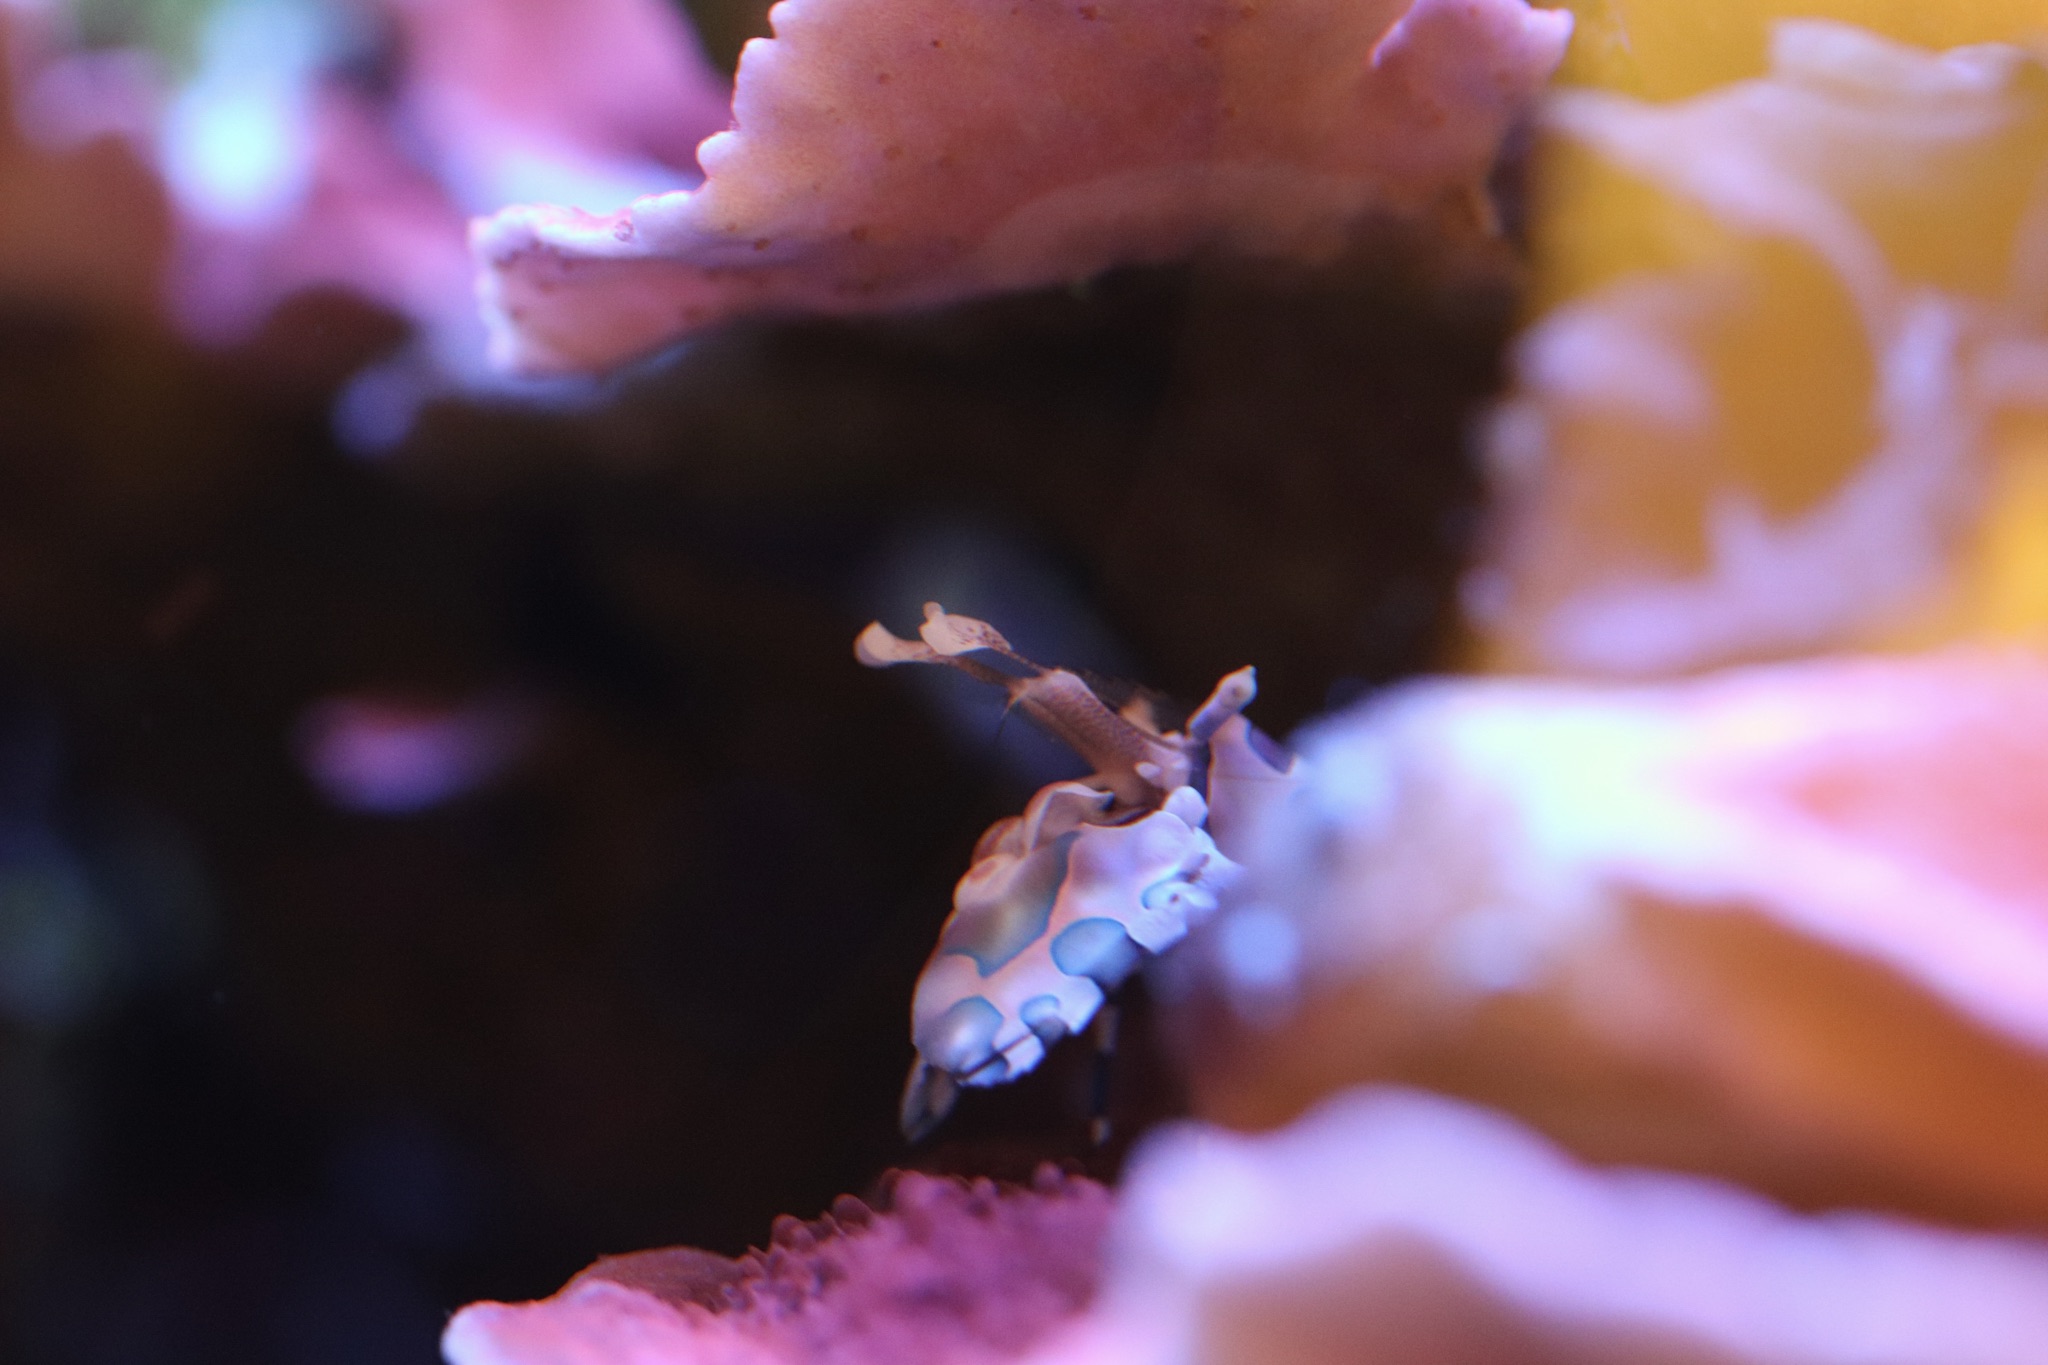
[1138, 764]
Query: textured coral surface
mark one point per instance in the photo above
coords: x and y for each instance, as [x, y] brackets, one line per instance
[946, 1271]
[889, 153]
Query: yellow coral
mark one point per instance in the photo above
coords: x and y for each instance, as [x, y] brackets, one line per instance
[1660, 50]
[2001, 586]
[1783, 332]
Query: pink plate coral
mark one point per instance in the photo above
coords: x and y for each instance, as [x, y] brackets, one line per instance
[890, 153]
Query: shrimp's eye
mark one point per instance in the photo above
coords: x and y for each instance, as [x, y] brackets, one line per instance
[1178, 897]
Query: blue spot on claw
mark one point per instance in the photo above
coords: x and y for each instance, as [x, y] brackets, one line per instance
[962, 1039]
[994, 931]
[1098, 949]
[1041, 1014]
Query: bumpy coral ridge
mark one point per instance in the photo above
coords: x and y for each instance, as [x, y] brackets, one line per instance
[943, 1269]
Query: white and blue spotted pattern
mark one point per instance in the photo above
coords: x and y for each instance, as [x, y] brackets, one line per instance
[1065, 901]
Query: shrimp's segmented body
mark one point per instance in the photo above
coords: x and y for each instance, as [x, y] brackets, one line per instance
[1063, 902]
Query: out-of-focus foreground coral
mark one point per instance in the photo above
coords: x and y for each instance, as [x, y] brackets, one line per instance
[1784, 924]
[1394, 1226]
[892, 153]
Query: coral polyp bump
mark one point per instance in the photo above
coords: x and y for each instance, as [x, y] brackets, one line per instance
[1063, 902]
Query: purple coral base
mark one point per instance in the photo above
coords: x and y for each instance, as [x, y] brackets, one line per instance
[939, 1270]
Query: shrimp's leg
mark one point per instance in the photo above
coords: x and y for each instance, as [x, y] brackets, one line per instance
[1105, 1061]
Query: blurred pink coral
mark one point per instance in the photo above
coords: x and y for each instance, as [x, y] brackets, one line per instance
[603, 83]
[289, 172]
[1787, 923]
[947, 1271]
[891, 153]
[392, 755]
[1395, 1226]
[367, 220]
[493, 99]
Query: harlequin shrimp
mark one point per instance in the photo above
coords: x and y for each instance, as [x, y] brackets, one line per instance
[1061, 904]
